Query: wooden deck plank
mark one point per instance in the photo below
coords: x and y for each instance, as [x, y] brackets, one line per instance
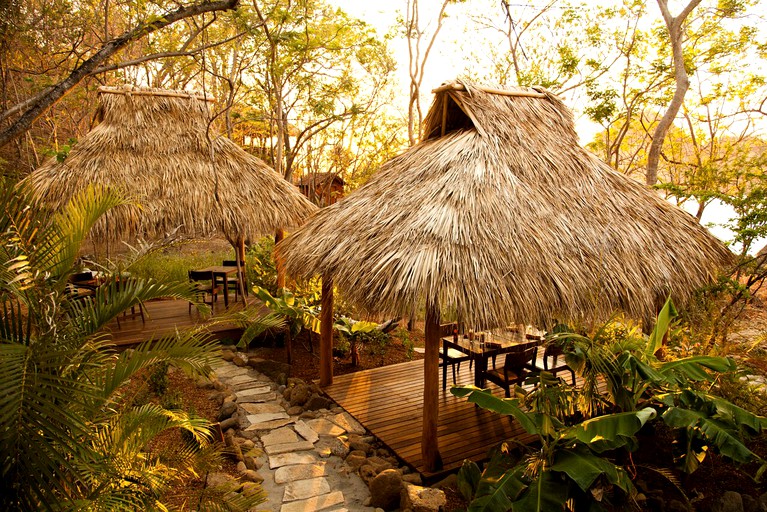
[388, 402]
[164, 317]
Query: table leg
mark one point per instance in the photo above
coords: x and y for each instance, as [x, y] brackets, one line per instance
[480, 367]
[444, 365]
[226, 289]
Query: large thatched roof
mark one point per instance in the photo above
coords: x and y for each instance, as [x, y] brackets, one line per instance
[153, 144]
[501, 216]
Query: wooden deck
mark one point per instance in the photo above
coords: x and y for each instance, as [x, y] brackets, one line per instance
[388, 401]
[164, 317]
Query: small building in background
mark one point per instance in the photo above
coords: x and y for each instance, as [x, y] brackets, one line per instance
[322, 188]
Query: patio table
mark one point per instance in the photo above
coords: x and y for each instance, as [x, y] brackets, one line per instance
[502, 342]
[221, 272]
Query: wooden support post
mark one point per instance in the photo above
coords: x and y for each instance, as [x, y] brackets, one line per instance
[239, 256]
[326, 332]
[278, 236]
[429, 442]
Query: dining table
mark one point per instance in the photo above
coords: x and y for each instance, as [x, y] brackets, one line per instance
[499, 342]
[220, 274]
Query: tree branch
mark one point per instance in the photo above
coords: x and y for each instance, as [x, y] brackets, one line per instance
[161, 55]
[674, 26]
[47, 98]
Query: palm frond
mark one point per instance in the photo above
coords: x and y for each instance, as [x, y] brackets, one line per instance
[69, 227]
[90, 314]
[194, 352]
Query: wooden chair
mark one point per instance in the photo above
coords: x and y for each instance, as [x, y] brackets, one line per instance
[451, 357]
[519, 362]
[123, 282]
[552, 352]
[204, 284]
[234, 282]
[81, 285]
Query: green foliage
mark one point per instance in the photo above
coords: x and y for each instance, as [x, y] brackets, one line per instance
[568, 465]
[300, 312]
[261, 269]
[576, 460]
[158, 378]
[69, 438]
[63, 151]
[362, 332]
[172, 264]
[404, 337]
[377, 343]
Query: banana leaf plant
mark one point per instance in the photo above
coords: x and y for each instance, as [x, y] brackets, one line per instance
[571, 464]
[635, 379]
[354, 331]
[299, 313]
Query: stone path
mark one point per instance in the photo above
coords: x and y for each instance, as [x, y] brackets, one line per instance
[301, 456]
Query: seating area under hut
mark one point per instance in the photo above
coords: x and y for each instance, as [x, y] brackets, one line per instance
[499, 216]
[157, 147]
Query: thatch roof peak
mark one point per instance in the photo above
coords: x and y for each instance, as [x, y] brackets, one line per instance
[464, 105]
[503, 217]
[157, 146]
[133, 90]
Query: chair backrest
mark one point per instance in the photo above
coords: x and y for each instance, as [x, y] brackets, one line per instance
[79, 277]
[232, 263]
[447, 329]
[553, 350]
[200, 275]
[520, 355]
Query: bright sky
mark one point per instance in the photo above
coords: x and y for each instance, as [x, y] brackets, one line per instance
[451, 56]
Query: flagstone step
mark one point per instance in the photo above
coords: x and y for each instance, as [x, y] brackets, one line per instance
[314, 504]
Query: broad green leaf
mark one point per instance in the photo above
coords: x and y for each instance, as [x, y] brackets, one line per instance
[547, 493]
[694, 368]
[363, 326]
[468, 478]
[583, 467]
[498, 494]
[610, 431]
[715, 432]
[508, 406]
[665, 317]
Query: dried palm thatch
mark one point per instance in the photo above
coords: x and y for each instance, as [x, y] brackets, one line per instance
[153, 144]
[499, 215]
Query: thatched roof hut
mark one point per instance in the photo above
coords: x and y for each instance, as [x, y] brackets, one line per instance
[155, 145]
[500, 215]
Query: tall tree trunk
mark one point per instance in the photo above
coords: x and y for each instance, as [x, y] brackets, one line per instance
[675, 33]
[417, 64]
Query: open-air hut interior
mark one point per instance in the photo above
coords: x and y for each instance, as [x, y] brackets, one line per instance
[500, 216]
[159, 148]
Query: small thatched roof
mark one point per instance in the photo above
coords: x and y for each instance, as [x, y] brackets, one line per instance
[317, 179]
[153, 144]
[499, 215]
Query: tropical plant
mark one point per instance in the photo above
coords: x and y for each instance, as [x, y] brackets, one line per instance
[357, 331]
[262, 271]
[68, 438]
[569, 465]
[299, 312]
[637, 388]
